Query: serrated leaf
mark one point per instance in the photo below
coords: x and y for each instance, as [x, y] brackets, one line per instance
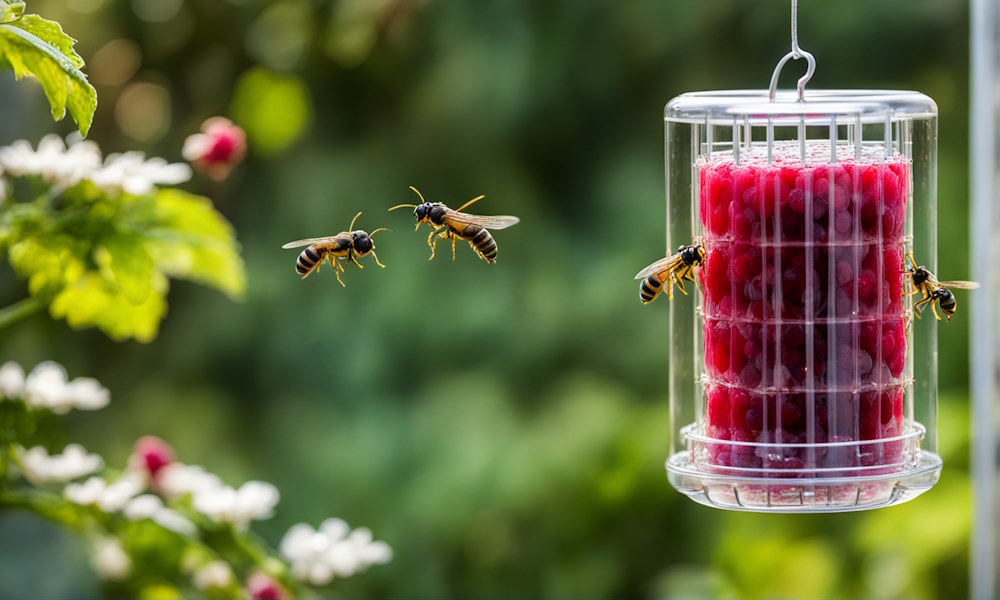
[32, 46]
[52, 33]
[93, 301]
[10, 11]
[189, 239]
[130, 265]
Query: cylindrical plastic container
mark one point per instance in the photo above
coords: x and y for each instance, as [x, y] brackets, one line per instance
[799, 379]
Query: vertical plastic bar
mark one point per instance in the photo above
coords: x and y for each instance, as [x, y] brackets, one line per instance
[925, 333]
[770, 140]
[859, 140]
[809, 249]
[736, 141]
[681, 147]
[833, 141]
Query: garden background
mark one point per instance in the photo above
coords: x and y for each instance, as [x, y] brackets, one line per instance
[502, 427]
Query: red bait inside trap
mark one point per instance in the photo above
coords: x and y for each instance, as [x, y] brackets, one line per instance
[804, 322]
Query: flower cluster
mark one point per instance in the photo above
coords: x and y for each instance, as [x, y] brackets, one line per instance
[318, 556]
[47, 387]
[187, 500]
[39, 468]
[66, 164]
[254, 500]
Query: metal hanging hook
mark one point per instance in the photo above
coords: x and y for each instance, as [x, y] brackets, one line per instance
[796, 54]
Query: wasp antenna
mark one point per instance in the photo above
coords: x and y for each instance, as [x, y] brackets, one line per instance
[470, 202]
[402, 206]
[351, 226]
[378, 230]
[418, 194]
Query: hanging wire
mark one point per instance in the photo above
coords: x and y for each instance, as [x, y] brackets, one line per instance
[796, 53]
[795, 29]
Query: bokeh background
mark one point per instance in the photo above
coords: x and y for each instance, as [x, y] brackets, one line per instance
[502, 427]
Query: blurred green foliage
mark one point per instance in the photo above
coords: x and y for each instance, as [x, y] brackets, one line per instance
[503, 427]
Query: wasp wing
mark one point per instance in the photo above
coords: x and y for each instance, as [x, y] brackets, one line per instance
[664, 264]
[959, 285]
[322, 241]
[489, 222]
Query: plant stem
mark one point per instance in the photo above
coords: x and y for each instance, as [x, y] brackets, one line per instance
[19, 310]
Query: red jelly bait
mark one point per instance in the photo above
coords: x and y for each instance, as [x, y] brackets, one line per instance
[804, 321]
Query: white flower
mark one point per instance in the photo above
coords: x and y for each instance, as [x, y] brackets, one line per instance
[142, 507]
[47, 387]
[177, 479]
[148, 506]
[368, 551]
[11, 380]
[85, 393]
[332, 551]
[108, 497]
[110, 559]
[254, 500]
[216, 574]
[53, 160]
[174, 521]
[134, 174]
[40, 468]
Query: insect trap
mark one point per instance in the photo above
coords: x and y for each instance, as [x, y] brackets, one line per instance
[800, 380]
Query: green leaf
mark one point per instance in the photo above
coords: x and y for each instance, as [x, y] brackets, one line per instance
[130, 264]
[189, 239]
[49, 262]
[52, 33]
[10, 11]
[94, 301]
[32, 46]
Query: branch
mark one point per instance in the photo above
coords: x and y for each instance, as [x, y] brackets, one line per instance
[19, 310]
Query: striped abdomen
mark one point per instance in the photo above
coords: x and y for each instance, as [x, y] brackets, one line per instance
[649, 288]
[482, 242]
[308, 259]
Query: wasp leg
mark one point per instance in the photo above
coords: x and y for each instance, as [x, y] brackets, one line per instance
[337, 268]
[934, 310]
[353, 259]
[376, 259]
[453, 238]
[680, 282]
[669, 284]
[919, 305]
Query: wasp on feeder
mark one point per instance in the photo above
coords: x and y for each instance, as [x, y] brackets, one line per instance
[454, 224]
[934, 292]
[671, 270]
[346, 245]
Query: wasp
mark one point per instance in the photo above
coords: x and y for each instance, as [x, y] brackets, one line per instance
[934, 292]
[346, 245]
[454, 224]
[672, 270]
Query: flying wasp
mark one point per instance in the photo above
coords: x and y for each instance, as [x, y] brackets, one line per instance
[346, 245]
[934, 292]
[454, 224]
[671, 270]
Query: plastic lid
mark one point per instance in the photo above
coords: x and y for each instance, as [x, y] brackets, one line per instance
[870, 106]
